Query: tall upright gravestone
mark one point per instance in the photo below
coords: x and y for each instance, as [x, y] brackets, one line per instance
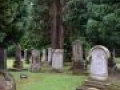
[35, 61]
[78, 60]
[44, 56]
[50, 55]
[98, 73]
[18, 64]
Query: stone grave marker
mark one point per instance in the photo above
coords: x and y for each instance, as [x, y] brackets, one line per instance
[44, 56]
[18, 63]
[99, 56]
[35, 61]
[78, 64]
[7, 81]
[98, 72]
[49, 55]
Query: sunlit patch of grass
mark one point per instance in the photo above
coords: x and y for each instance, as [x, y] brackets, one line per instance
[46, 80]
[118, 62]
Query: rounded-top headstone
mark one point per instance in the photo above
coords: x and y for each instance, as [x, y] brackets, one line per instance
[99, 58]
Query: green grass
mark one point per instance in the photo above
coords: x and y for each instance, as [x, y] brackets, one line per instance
[47, 80]
[118, 62]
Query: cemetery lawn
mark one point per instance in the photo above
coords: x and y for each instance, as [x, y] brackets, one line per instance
[47, 80]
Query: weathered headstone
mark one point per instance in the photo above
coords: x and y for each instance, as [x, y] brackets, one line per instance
[78, 57]
[28, 55]
[25, 54]
[18, 63]
[7, 81]
[98, 72]
[99, 58]
[44, 56]
[57, 60]
[49, 55]
[35, 61]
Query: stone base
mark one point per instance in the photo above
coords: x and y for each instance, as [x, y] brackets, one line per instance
[78, 67]
[35, 68]
[57, 60]
[7, 81]
[18, 65]
[57, 71]
[94, 85]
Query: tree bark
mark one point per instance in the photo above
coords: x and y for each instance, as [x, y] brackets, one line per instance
[3, 56]
[57, 25]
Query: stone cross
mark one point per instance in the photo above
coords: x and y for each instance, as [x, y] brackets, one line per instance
[35, 61]
[99, 58]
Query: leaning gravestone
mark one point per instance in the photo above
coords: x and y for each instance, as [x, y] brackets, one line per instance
[35, 61]
[98, 72]
[78, 60]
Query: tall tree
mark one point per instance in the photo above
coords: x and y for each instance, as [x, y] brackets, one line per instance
[12, 24]
[38, 34]
[57, 25]
[57, 33]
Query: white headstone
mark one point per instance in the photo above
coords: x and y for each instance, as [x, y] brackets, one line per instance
[57, 59]
[43, 56]
[99, 58]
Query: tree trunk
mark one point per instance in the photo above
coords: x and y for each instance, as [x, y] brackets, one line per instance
[3, 65]
[57, 35]
[57, 25]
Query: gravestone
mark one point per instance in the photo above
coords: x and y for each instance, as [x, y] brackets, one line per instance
[49, 55]
[18, 64]
[44, 56]
[99, 56]
[28, 55]
[25, 54]
[35, 61]
[57, 60]
[78, 57]
[98, 73]
[7, 82]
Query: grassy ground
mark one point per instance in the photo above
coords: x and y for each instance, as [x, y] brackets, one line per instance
[46, 80]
